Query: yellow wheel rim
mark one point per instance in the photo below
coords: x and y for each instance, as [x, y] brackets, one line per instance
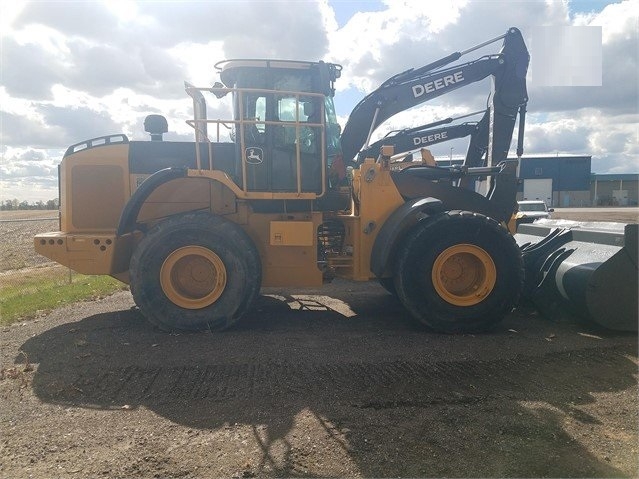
[464, 275]
[193, 277]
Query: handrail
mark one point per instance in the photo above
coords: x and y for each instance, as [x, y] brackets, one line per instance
[118, 138]
[200, 124]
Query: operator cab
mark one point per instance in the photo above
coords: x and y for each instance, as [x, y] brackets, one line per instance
[286, 130]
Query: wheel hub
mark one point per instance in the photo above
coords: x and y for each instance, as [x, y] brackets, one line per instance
[193, 277]
[464, 274]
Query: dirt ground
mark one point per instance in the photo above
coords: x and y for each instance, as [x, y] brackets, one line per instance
[620, 215]
[17, 229]
[331, 382]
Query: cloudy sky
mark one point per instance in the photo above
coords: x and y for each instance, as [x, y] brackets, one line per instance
[75, 70]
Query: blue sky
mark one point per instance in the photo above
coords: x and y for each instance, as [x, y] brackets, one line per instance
[75, 70]
[345, 9]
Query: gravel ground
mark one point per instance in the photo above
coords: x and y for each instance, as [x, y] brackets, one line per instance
[334, 382]
[315, 383]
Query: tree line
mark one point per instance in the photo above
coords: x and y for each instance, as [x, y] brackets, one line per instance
[14, 204]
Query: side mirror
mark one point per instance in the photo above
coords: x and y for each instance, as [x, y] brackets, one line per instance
[550, 210]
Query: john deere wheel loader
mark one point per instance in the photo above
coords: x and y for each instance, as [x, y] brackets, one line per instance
[197, 228]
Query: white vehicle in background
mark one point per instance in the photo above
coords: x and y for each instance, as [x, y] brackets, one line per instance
[531, 210]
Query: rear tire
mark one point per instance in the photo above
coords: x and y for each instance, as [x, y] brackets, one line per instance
[459, 272]
[195, 272]
[389, 285]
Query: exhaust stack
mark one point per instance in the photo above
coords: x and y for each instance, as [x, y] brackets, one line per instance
[199, 110]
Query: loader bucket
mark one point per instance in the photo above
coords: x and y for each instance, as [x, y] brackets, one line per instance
[586, 269]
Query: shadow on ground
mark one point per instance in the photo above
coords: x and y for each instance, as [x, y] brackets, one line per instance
[326, 392]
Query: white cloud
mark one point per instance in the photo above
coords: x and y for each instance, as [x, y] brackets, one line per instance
[374, 47]
[611, 140]
[76, 70]
[557, 136]
[29, 169]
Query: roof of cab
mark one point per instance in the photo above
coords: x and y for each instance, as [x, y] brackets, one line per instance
[228, 68]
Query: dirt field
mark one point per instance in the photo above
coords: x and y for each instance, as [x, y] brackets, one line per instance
[17, 235]
[321, 383]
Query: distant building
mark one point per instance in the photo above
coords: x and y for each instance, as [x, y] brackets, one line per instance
[567, 181]
[561, 181]
[614, 190]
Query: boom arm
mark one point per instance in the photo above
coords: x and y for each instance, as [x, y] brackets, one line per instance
[413, 87]
[410, 139]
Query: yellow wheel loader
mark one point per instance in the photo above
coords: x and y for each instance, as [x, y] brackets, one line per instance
[278, 195]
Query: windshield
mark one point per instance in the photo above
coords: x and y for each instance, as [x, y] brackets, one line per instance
[541, 206]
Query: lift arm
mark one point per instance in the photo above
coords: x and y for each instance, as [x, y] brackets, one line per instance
[410, 139]
[416, 86]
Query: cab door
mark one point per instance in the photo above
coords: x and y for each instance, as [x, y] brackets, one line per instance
[253, 145]
[297, 134]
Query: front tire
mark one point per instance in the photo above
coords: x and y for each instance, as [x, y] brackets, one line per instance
[195, 272]
[459, 272]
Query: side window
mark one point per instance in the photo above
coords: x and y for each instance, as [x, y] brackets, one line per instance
[260, 113]
[310, 133]
[254, 113]
[333, 130]
[286, 112]
[307, 111]
[286, 109]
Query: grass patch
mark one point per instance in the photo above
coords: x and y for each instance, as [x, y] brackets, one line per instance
[24, 295]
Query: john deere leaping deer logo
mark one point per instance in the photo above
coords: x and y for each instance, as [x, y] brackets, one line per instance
[254, 155]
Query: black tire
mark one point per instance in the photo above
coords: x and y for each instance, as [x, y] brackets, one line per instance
[459, 272]
[389, 285]
[195, 272]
